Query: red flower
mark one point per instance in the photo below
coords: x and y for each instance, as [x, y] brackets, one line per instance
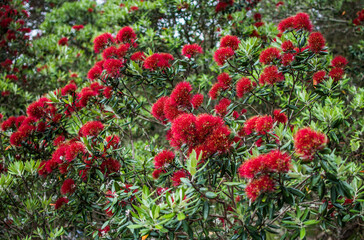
[163, 159]
[215, 90]
[126, 35]
[71, 151]
[287, 59]
[94, 73]
[224, 79]
[257, 16]
[190, 50]
[133, 8]
[78, 27]
[258, 24]
[92, 128]
[336, 74]
[158, 109]
[287, 46]
[112, 66]
[319, 77]
[60, 202]
[138, 56]
[271, 75]
[68, 186]
[218, 140]
[59, 140]
[222, 55]
[171, 111]
[12, 77]
[110, 166]
[103, 231]
[69, 88]
[339, 62]
[85, 95]
[307, 142]
[158, 60]
[107, 92]
[112, 141]
[302, 21]
[286, 24]
[156, 173]
[269, 55]
[230, 41]
[273, 162]
[259, 186]
[280, 116]
[316, 42]
[18, 137]
[197, 100]
[113, 52]
[205, 124]
[243, 86]
[183, 128]
[221, 107]
[180, 95]
[41, 108]
[9, 123]
[63, 41]
[102, 41]
[264, 124]
[176, 178]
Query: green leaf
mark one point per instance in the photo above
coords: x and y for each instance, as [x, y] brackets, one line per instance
[206, 209]
[302, 233]
[211, 195]
[311, 222]
[181, 216]
[135, 226]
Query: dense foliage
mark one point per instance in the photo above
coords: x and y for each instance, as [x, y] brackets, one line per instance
[182, 120]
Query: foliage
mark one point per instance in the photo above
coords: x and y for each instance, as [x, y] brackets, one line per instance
[272, 148]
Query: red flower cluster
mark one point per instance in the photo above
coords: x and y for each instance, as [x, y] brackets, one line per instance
[223, 4]
[176, 178]
[205, 134]
[110, 166]
[319, 77]
[230, 41]
[158, 61]
[287, 46]
[60, 202]
[197, 100]
[307, 142]
[280, 116]
[258, 124]
[263, 166]
[271, 75]
[68, 186]
[339, 62]
[103, 41]
[258, 186]
[78, 27]
[360, 19]
[126, 35]
[221, 107]
[316, 42]
[336, 74]
[92, 128]
[300, 21]
[176, 104]
[222, 55]
[224, 79]
[191, 50]
[138, 56]
[63, 41]
[163, 159]
[269, 55]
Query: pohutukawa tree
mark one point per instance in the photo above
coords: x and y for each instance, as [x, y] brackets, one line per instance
[257, 156]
